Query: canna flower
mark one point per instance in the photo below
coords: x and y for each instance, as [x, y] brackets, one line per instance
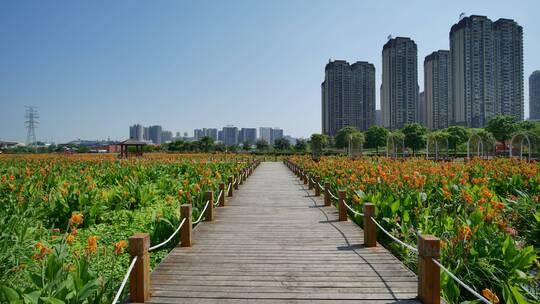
[180, 193]
[511, 231]
[464, 233]
[91, 244]
[490, 295]
[76, 219]
[70, 238]
[119, 247]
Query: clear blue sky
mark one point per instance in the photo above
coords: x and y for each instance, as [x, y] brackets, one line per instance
[95, 67]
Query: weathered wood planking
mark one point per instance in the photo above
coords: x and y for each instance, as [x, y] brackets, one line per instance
[275, 242]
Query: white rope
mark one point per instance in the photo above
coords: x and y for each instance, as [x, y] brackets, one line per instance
[170, 238]
[411, 248]
[479, 296]
[202, 213]
[352, 210]
[320, 186]
[219, 196]
[229, 189]
[124, 281]
[332, 195]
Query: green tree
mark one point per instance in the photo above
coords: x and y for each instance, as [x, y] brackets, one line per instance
[246, 146]
[282, 144]
[502, 127]
[233, 148]
[301, 145]
[527, 125]
[207, 144]
[376, 137]
[414, 136]
[262, 145]
[457, 135]
[342, 137]
[317, 143]
[83, 149]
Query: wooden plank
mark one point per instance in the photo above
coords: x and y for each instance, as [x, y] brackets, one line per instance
[275, 242]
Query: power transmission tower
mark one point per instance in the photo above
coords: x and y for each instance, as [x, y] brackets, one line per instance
[31, 123]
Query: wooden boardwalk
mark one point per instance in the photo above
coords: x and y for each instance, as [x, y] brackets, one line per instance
[275, 242]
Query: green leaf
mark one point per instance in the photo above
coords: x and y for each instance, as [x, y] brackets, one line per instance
[406, 216]
[32, 297]
[51, 300]
[10, 293]
[517, 295]
[395, 206]
[88, 289]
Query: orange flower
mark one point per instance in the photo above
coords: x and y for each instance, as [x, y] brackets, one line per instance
[42, 251]
[70, 238]
[119, 247]
[91, 244]
[76, 219]
[490, 295]
[464, 233]
[180, 193]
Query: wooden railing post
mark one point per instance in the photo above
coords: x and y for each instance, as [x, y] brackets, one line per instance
[209, 214]
[317, 188]
[429, 280]
[185, 231]
[236, 181]
[305, 178]
[139, 279]
[310, 182]
[342, 209]
[370, 230]
[327, 199]
[222, 197]
[241, 177]
[230, 193]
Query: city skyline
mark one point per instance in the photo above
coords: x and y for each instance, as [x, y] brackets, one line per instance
[91, 80]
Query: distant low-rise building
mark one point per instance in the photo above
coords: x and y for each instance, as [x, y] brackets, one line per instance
[155, 134]
[136, 132]
[277, 133]
[265, 134]
[230, 135]
[247, 135]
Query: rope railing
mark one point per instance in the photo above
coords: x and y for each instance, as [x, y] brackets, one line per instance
[410, 247]
[467, 287]
[124, 281]
[170, 237]
[229, 188]
[332, 195]
[202, 213]
[352, 210]
[219, 196]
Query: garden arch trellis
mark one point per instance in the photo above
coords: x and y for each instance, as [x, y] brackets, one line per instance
[395, 141]
[354, 148]
[518, 139]
[437, 140]
[476, 140]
